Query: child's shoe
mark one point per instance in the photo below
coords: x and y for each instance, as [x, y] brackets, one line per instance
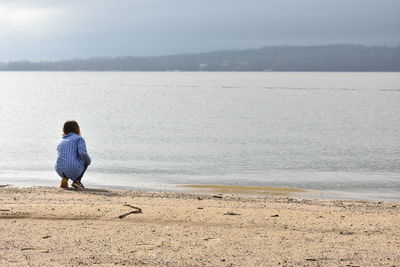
[64, 183]
[80, 183]
[76, 185]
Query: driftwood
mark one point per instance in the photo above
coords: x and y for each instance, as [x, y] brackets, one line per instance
[136, 210]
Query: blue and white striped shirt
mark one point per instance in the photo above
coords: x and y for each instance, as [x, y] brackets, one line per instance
[72, 156]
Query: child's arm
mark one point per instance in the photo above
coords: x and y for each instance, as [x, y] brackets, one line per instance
[83, 152]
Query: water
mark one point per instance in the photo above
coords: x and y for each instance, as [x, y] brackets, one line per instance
[332, 132]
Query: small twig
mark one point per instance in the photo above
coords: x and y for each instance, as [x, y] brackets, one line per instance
[139, 210]
[231, 213]
[28, 248]
[136, 210]
[311, 259]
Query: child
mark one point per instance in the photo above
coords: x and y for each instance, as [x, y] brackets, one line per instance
[73, 158]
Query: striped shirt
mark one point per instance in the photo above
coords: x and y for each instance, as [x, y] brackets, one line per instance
[72, 156]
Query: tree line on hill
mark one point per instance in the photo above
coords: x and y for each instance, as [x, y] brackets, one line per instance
[342, 57]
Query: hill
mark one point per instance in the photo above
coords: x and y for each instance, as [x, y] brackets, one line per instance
[342, 57]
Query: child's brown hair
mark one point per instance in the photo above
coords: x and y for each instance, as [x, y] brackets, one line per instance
[71, 127]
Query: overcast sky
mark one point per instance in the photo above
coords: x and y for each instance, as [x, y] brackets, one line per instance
[55, 29]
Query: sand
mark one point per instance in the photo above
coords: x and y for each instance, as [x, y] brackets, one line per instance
[55, 227]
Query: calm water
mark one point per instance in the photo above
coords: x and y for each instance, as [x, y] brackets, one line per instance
[335, 132]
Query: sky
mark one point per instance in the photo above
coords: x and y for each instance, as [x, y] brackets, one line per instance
[65, 29]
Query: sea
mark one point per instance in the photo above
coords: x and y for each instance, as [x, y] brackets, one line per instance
[335, 133]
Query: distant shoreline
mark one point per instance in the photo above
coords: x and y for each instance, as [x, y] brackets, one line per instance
[323, 58]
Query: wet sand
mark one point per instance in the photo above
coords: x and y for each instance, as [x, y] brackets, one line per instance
[252, 190]
[55, 227]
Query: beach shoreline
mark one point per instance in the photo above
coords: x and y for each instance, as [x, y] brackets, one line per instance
[378, 194]
[48, 226]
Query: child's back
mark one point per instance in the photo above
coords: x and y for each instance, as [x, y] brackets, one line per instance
[73, 157]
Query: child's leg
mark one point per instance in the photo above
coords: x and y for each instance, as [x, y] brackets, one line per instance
[80, 176]
[78, 180]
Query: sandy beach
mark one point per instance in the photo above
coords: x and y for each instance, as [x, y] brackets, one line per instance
[47, 226]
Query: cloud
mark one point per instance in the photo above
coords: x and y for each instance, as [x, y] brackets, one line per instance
[83, 28]
[18, 21]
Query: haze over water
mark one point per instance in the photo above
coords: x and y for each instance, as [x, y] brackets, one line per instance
[336, 132]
